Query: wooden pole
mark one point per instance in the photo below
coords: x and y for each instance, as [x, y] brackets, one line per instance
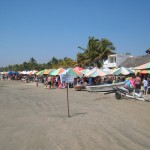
[68, 100]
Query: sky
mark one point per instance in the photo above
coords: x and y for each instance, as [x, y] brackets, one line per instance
[43, 29]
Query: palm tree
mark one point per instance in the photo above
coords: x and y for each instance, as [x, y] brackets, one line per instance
[96, 52]
[89, 52]
[105, 48]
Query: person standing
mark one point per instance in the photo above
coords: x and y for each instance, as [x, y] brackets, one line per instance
[145, 85]
[37, 81]
[138, 82]
[49, 80]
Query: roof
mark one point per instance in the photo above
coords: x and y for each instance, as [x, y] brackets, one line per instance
[135, 61]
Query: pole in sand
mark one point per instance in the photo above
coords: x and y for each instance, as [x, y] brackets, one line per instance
[68, 100]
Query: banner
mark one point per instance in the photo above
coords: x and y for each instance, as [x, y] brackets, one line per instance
[66, 78]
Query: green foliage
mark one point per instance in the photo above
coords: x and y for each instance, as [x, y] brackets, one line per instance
[96, 52]
[148, 51]
[33, 65]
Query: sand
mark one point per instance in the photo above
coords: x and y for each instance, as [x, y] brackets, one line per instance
[34, 118]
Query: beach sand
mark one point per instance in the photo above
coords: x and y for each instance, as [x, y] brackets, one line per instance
[34, 118]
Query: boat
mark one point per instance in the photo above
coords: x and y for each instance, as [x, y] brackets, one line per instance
[103, 87]
[79, 87]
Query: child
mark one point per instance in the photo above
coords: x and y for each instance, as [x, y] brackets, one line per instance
[145, 85]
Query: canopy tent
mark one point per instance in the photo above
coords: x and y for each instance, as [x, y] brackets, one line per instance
[144, 66]
[123, 71]
[95, 72]
[57, 72]
[72, 72]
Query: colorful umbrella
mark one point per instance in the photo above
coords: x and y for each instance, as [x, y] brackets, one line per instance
[57, 72]
[40, 73]
[72, 72]
[145, 71]
[48, 71]
[78, 68]
[84, 71]
[32, 72]
[144, 66]
[122, 71]
[95, 72]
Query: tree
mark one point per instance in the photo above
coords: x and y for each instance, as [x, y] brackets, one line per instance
[96, 52]
[105, 48]
[32, 60]
[148, 51]
[89, 52]
[32, 64]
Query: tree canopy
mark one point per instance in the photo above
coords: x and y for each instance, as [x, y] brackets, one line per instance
[33, 65]
[95, 53]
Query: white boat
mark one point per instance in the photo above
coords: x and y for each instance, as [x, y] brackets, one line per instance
[104, 87]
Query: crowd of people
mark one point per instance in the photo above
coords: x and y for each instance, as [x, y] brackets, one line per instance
[133, 81]
[138, 82]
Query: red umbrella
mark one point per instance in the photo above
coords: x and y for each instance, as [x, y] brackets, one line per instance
[78, 68]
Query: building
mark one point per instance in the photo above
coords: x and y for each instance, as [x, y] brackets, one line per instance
[115, 60]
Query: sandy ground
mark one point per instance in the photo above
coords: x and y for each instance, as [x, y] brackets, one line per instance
[34, 118]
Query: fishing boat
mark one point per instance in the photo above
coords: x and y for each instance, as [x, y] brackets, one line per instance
[103, 87]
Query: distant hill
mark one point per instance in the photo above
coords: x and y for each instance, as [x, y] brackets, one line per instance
[135, 61]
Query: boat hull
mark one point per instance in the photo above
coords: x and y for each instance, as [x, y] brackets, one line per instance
[104, 87]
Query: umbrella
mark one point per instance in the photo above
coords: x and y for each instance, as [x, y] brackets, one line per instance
[84, 71]
[12, 72]
[3, 73]
[24, 72]
[57, 72]
[95, 72]
[145, 71]
[107, 71]
[122, 71]
[32, 72]
[144, 66]
[78, 68]
[72, 72]
[40, 73]
[48, 71]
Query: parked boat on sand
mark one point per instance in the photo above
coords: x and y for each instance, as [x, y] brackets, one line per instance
[104, 87]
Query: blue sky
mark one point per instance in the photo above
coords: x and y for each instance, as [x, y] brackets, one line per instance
[43, 29]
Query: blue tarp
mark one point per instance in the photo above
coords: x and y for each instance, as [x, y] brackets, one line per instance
[12, 72]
